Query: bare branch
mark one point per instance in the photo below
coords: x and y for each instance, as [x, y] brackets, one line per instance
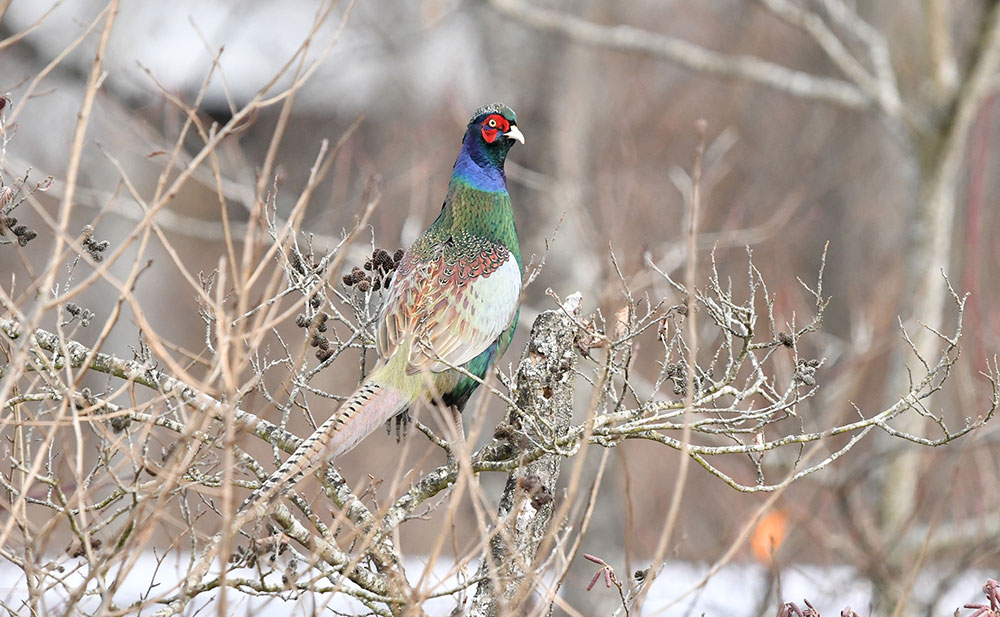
[688, 55]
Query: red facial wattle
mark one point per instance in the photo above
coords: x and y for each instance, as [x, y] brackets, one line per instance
[493, 126]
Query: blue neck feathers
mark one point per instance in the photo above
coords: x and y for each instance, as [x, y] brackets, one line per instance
[479, 168]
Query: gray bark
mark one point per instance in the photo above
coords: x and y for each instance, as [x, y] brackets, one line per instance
[544, 395]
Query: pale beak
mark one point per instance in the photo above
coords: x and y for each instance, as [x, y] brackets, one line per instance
[513, 133]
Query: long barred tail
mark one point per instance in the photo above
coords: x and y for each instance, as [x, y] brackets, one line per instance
[366, 410]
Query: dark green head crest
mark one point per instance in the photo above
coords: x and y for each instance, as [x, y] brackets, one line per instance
[493, 108]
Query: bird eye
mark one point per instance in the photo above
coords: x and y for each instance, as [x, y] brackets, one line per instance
[493, 123]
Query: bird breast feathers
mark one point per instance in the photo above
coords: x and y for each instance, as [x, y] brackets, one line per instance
[449, 310]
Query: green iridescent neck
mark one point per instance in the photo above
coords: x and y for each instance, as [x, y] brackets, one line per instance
[487, 214]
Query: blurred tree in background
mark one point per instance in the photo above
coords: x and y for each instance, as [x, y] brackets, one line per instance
[196, 138]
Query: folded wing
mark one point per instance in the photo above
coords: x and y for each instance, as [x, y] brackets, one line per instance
[451, 307]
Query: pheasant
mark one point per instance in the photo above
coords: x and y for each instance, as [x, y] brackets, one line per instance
[453, 302]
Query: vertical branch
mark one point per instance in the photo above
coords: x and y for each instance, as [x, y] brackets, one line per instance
[937, 24]
[574, 103]
[94, 80]
[691, 323]
[545, 383]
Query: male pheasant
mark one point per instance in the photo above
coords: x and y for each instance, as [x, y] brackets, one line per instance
[453, 302]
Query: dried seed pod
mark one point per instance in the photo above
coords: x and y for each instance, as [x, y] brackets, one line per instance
[120, 423]
[355, 276]
[295, 262]
[541, 498]
[383, 260]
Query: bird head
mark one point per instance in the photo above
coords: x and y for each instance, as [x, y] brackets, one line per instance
[494, 128]
[489, 136]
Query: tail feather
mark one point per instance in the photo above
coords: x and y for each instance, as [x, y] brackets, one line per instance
[371, 405]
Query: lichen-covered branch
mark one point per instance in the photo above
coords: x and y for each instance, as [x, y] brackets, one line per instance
[545, 386]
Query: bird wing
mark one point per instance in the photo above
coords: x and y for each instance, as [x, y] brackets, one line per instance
[450, 308]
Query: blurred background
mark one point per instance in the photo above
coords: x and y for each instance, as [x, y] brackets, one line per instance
[609, 130]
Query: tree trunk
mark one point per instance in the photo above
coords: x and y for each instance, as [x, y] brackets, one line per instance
[942, 154]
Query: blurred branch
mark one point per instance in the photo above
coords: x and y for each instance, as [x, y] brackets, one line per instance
[942, 183]
[14, 38]
[937, 24]
[94, 78]
[674, 252]
[690, 299]
[845, 17]
[688, 55]
[944, 150]
[954, 535]
[880, 87]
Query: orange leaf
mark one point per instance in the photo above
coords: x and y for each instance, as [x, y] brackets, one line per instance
[768, 535]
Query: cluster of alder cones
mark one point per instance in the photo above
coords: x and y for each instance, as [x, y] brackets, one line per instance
[379, 266]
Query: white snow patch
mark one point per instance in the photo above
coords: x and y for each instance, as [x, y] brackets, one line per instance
[733, 592]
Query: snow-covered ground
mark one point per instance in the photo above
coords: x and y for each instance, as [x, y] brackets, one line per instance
[734, 591]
